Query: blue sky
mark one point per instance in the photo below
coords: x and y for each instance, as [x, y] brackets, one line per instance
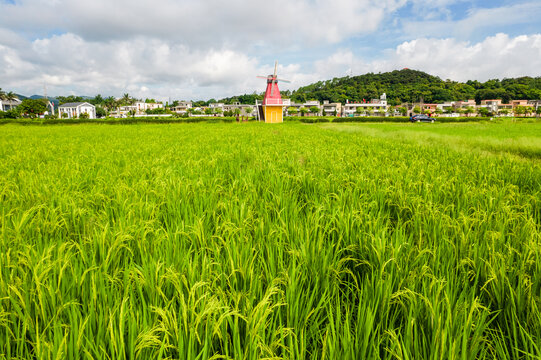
[201, 49]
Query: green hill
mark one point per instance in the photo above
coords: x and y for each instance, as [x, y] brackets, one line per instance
[411, 85]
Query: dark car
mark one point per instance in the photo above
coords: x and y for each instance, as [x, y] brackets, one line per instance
[421, 118]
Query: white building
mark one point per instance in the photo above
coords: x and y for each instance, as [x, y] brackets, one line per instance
[376, 105]
[6, 105]
[141, 107]
[74, 110]
[182, 107]
[330, 109]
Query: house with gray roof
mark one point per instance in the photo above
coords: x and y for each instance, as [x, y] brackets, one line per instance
[75, 109]
[6, 105]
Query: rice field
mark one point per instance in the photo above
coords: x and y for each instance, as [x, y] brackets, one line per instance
[290, 241]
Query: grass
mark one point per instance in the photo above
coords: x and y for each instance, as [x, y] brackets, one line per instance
[249, 241]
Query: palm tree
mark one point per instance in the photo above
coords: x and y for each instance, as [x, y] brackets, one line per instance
[2, 94]
[109, 103]
[127, 99]
[10, 96]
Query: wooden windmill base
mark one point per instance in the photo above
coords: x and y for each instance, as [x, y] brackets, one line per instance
[272, 114]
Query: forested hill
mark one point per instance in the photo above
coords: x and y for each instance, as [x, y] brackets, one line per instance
[412, 85]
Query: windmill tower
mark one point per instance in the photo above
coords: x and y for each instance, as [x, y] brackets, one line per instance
[272, 108]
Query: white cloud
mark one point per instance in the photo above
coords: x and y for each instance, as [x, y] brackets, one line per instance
[69, 64]
[190, 49]
[477, 19]
[149, 67]
[497, 56]
[202, 23]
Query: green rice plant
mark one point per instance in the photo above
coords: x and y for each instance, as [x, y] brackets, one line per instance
[250, 241]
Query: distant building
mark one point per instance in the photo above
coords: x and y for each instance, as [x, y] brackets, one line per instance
[74, 110]
[331, 109]
[244, 108]
[6, 105]
[141, 107]
[377, 105]
[182, 107]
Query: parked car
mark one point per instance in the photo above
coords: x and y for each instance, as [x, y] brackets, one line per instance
[421, 118]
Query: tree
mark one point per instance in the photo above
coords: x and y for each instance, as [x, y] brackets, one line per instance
[98, 100]
[2, 94]
[417, 110]
[100, 112]
[314, 110]
[359, 110]
[369, 110]
[110, 103]
[402, 110]
[503, 112]
[127, 99]
[208, 111]
[33, 107]
[469, 110]
[483, 111]
[9, 96]
[303, 111]
[538, 110]
[519, 110]
[236, 111]
[438, 111]
[292, 110]
[449, 110]
[68, 99]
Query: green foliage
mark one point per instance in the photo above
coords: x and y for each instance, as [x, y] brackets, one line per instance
[314, 110]
[249, 241]
[157, 111]
[32, 107]
[402, 110]
[410, 86]
[249, 99]
[10, 114]
[100, 112]
[312, 120]
[97, 100]
[70, 99]
[292, 110]
[84, 116]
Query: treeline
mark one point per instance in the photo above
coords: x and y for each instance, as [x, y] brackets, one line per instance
[402, 86]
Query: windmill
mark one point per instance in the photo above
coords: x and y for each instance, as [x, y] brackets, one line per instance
[272, 108]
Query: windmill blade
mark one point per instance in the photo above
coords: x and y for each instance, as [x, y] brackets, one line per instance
[283, 80]
[275, 68]
[262, 77]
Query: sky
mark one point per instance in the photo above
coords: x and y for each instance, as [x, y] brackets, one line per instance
[203, 49]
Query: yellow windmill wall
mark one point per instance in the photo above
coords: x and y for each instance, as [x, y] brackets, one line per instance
[273, 114]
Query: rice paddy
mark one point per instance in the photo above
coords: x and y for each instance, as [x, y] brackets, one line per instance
[291, 241]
